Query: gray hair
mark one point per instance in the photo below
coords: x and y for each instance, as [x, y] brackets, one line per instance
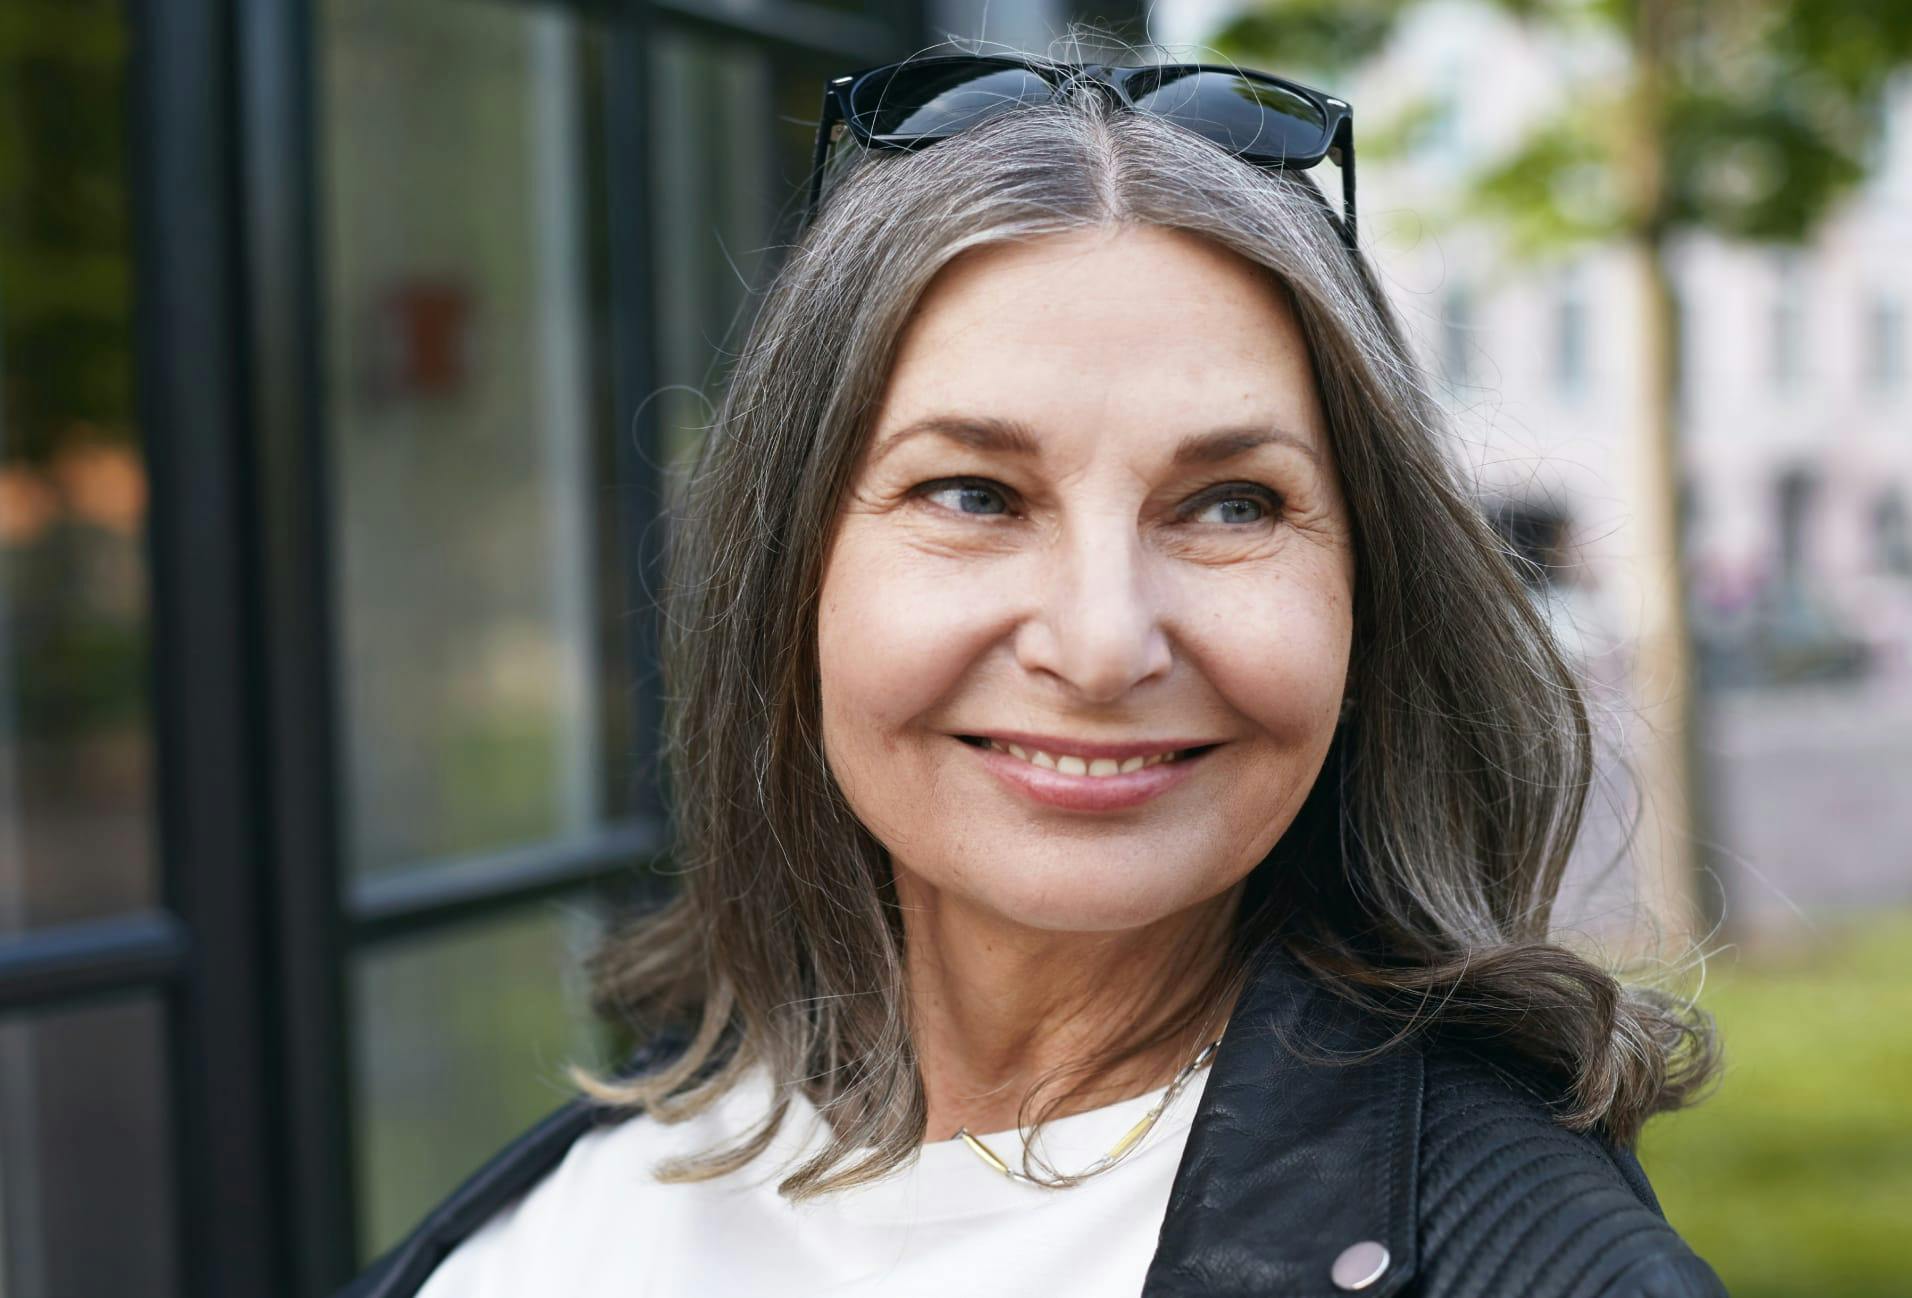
[1419, 876]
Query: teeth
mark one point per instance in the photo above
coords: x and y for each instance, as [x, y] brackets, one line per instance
[1069, 764]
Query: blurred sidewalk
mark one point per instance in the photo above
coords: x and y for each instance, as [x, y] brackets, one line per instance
[1814, 801]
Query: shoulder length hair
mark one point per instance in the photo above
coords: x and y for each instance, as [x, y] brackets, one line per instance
[1419, 877]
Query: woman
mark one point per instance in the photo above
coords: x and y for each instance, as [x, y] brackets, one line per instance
[1121, 783]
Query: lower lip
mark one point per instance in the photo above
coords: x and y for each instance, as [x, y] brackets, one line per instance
[1086, 792]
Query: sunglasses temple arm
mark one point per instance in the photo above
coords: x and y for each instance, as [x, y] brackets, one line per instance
[822, 153]
[1344, 142]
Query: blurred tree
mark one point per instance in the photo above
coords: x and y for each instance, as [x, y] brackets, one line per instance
[65, 263]
[72, 475]
[1749, 119]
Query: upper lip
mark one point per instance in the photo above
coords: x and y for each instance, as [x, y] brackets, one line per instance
[1056, 745]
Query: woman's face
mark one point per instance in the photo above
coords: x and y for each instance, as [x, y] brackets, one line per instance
[1097, 519]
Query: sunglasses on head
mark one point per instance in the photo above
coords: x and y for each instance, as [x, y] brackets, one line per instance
[1262, 119]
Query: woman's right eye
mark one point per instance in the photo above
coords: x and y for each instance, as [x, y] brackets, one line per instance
[976, 497]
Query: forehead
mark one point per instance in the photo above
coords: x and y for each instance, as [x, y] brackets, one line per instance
[1140, 329]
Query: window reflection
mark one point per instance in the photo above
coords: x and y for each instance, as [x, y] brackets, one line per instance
[462, 1043]
[737, 173]
[467, 393]
[76, 819]
[85, 1167]
[712, 219]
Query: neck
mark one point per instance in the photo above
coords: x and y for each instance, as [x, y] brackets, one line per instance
[995, 1004]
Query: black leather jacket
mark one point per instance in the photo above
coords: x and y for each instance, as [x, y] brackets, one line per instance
[1430, 1169]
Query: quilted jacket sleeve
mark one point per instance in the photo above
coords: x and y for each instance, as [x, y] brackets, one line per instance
[1513, 1203]
[1679, 1275]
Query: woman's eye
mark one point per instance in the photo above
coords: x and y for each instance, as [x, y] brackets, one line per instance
[973, 496]
[1235, 505]
[1239, 503]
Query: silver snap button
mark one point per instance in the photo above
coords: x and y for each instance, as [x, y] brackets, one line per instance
[1360, 1265]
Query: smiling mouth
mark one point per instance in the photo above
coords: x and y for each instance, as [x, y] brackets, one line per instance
[1099, 767]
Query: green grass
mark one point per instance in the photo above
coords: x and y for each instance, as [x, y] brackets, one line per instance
[1795, 1178]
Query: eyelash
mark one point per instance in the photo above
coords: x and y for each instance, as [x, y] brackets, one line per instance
[1270, 500]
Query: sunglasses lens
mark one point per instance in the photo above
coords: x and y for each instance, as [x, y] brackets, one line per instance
[931, 99]
[1259, 121]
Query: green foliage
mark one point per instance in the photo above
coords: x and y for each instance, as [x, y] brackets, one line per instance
[1310, 38]
[87, 674]
[1757, 168]
[1554, 189]
[499, 781]
[1765, 116]
[467, 1037]
[65, 263]
[1796, 1177]
[1402, 134]
[1329, 38]
[1856, 44]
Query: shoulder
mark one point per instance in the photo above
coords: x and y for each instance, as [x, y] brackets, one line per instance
[1512, 1202]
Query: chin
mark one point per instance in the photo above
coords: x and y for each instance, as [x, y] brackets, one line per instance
[1068, 896]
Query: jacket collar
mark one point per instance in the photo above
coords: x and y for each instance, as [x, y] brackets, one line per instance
[1294, 1165]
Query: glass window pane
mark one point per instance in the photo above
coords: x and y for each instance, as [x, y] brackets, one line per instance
[713, 216]
[730, 185]
[470, 424]
[461, 1044]
[76, 779]
[86, 1174]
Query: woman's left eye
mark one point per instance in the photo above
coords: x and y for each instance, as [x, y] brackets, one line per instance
[972, 490]
[1230, 501]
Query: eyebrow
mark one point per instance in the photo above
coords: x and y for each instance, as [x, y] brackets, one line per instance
[1005, 436]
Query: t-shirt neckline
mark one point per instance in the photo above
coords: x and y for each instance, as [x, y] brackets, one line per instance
[947, 1180]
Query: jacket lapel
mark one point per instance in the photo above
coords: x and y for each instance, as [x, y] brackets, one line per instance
[1295, 1170]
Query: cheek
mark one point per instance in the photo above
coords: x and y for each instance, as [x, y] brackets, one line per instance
[892, 641]
[1277, 652]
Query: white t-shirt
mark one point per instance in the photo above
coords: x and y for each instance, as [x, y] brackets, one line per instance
[599, 1225]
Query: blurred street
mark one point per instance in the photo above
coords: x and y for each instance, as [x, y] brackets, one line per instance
[1814, 784]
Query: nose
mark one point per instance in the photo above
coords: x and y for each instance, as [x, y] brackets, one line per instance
[1096, 620]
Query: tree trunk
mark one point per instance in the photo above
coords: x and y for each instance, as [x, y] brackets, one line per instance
[1666, 746]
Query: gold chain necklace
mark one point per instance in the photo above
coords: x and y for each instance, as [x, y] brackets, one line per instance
[1130, 1139]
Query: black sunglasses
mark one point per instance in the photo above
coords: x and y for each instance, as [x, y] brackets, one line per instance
[1262, 119]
